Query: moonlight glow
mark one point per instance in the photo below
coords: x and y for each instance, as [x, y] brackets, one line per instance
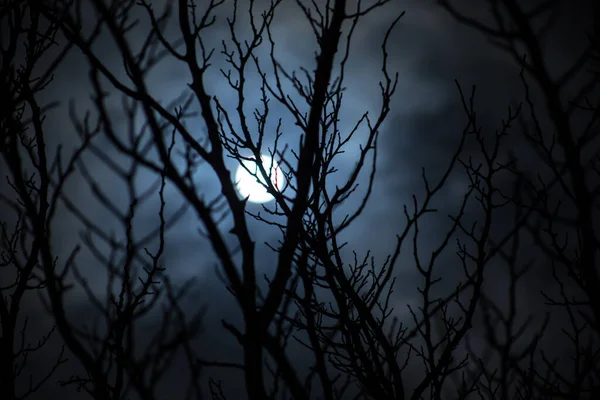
[248, 186]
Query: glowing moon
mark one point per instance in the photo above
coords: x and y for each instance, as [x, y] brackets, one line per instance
[248, 186]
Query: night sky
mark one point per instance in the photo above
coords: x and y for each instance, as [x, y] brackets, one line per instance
[429, 50]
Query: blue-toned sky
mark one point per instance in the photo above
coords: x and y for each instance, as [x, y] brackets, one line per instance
[428, 49]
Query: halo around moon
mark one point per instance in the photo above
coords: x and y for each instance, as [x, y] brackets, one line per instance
[248, 185]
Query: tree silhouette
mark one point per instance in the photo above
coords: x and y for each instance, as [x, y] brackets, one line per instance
[22, 234]
[556, 205]
[321, 296]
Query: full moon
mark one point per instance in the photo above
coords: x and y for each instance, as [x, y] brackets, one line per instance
[248, 185]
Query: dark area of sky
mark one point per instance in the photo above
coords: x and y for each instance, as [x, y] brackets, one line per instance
[428, 48]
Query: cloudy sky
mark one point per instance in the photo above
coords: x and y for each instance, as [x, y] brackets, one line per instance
[428, 49]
